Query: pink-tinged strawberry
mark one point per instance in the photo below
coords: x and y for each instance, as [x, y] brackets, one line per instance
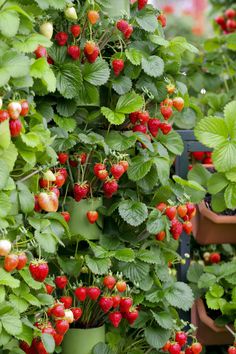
[162, 19]
[132, 316]
[55, 190]
[181, 338]
[14, 109]
[230, 13]
[61, 38]
[128, 32]
[67, 301]
[232, 350]
[102, 175]
[75, 30]
[125, 164]
[63, 171]
[167, 112]
[110, 187]
[134, 117]
[171, 212]
[48, 201]
[116, 301]
[176, 229]
[125, 304]
[15, 127]
[81, 293]
[178, 103]
[62, 157]
[24, 108]
[61, 281]
[109, 281]
[140, 128]
[175, 348]
[4, 115]
[161, 207]
[66, 216]
[93, 293]
[153, 126]
[81, 191]
[74, 52]
[58, 310]
[165, 128]
[143, 117]
[115, 318]
[39, 270]
[62, 327]
[122, 25]
[117, 171]
[142, 4]
[40, 52]
[118, 66]
[92, 57]
[60, 179]
[77, 313]
[106, 304]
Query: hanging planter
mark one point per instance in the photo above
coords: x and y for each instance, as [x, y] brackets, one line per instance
[118, 8]
[82, 341]
[79, 224]
[207, 332]
[209, 227]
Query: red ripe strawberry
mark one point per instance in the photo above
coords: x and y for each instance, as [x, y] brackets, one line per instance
[80, 191]
[176, 229]
[62, 157]
[15, 127]
[132, 316]
[121, 286]
[161, 207]
[166, 112]
[117, 171]
[61, 281]
[188, 350]
[110, 187]
[4, 115]
[60, 179]
[181, 338]
[232, 350]
[81, 293]
[102, 175]
[118, 66]
[178, 103]
[39, 270]
[62, 327]
[182, 210]
[49, 289]
[93, 293]
[92, 216]
[196, 348]
[24, 108]
[215, 258]
[188, 227]
[98, 167]
[77, 313]
[162, 19]
[166, 346]
[58, 310]
[109, 282]
[161, 236]
[63, 171]
[153, 126]
[75, 30]
[25, 347]
[40, 52]
[167, 102]
[61, 38]
[231, 25]
[50, 60]
[171, 212]
[175, 348]
[116, 301]
[92, 57]
[40, 347]
[230, 13]
[140, 128]
[165, 128]
[49, 330]
[36, 204]
[106, 304]
[73, 163]
[22, 260]
[142, 4]
[66, 215]
[67, 301]
[122, 25]
[55, 190]
[134, 117]
[207, 161]
[10, 262]
[220, 20]
[128, 32]
[191, 209]
[58, 339]
[143, 117]
[125, 164]
[198, 155]
[115, 318]
[82, 158]
[74, 52]
[125, 304]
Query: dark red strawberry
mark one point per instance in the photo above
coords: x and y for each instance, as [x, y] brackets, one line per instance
[175, 348]
[62, 327]
[80, 191]
[106, 304]
[109, 281]
[118, 66]
[61, 281]
[110, 187]
[61, 38]
[140, 128]
[153, 126]
[132, 316]
[92, 57]
[117, 171]
[74, 52]
[39, 270]
[75, 30]
[62, 157]
[176, 228]
[15, 127]
[93, 293]
[142, 4]
[40, 52]
[122, 25]
[115, 318]
[81, 293]
[77, 312]
[125, 304]
[67, 301]
[134, 117]
[165, 128]
[166, 111]
[49, 288]
[128, 32]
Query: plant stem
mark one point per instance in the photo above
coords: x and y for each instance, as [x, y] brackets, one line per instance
[30, 175]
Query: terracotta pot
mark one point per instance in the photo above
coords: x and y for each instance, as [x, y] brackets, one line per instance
[209, 227]
[207, 332]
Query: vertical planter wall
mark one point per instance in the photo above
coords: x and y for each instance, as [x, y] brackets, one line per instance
[118, 8]
[82, 341]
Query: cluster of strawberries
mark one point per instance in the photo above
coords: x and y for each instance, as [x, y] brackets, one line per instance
[227, 21]
[12, 261]
[212, 258]
[13, 112]
[179, 345]
[166, 105]
[174, 213]
[203, 157]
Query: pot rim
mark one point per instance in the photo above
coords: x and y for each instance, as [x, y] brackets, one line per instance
[217, 219]
[86, 329]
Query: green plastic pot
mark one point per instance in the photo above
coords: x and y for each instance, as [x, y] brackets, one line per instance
[82, 341]
[79, 224]
[118, 8]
